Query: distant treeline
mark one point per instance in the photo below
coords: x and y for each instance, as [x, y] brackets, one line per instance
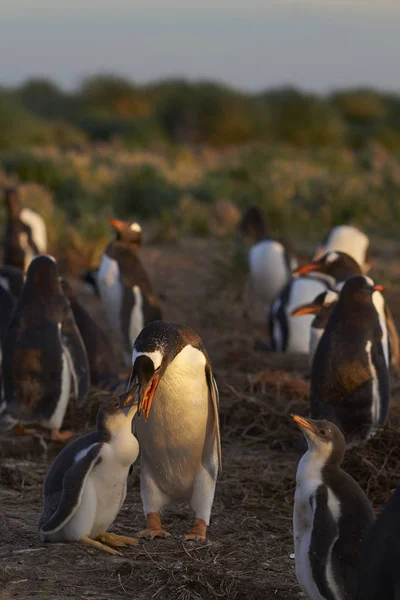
[106, 107]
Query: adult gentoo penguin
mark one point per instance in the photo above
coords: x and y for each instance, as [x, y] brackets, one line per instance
[379, 574]
[177, 424]
[44, 359]
[103, 363]
[270, 261]
[85, 487]
[349, 378]
[288, 333]
[25, 233]
[331, 516]
[125, 289]
[347, 239]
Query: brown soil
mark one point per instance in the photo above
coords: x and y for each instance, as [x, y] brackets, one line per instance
[248, 554]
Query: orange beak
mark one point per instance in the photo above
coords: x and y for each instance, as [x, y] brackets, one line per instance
[304, 310]
[302, 423]
[117, 224]
[378, 288]
[148, 396]
[307, 268]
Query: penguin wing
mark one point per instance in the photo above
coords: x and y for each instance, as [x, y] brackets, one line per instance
[76, 354]
[60, 507]
[213, 389]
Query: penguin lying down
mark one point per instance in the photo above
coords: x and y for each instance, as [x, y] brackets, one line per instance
[85, 487]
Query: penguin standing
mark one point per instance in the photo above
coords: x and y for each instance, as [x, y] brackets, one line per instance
[25, 235]
[379, 575]
[289, 334]
[103, 363]
[125, 289]
[85, 487]
[270, 262]
[347, 239]
[331, 516]
[44, 359]
[349, 378]
[177, 425]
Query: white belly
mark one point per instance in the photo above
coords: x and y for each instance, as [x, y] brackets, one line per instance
[57, 418]
[348, 239]
[268, 270]
[38, 228]
[303, 291]
[173, 441]
[379, 304]
[136, 321]
[110, 290]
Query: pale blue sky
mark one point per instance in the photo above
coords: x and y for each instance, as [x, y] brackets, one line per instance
[253, 44]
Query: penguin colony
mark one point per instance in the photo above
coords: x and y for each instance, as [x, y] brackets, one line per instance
[167, 403]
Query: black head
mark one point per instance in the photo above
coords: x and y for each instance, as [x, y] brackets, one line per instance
[42, 275]
[117, 411]
[130, 233]
[253, 225]
[319, 305]
[359, 289]
[324, 439]
[13, 203]
[338, 265]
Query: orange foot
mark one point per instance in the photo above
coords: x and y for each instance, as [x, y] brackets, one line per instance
[198, 533]
[154, 528]
[20, 430]
[61, 436]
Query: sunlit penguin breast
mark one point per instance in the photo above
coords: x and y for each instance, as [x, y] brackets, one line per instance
[303, 290]
[269, 269]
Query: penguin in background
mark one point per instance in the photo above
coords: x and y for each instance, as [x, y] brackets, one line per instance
[287, 332]
[85, 487]
[103, 363]
[44, 358]
[379, 575]
[25, 234]
[177, 425]
[270, 262]
[125, 289]
[331, 516]
[347, 239]
[12, 280]
[350, 377]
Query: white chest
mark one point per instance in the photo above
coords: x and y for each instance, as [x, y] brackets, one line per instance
[303, 290]
[268, 269]
[110, 289]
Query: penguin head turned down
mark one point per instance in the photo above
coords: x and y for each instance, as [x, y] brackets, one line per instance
[116, 413]
[338, 265]
[13, 203]
[252, 225]
[130, 233]
[324, 440]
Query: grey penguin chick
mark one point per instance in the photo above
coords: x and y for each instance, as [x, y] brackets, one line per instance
[85, 487]
[177, 424]
[331, 516]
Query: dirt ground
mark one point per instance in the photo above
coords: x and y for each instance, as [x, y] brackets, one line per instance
[249, 551]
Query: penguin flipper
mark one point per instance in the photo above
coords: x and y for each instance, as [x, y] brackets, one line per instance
[379, 362]
[68, 501]
[77, 357]
[213, 389]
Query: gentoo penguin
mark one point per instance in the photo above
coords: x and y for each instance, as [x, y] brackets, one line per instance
[85, 487]
[103, 363]
[348, 239]
[379, 574]
[331, 516]
[270, 262]
[25, 234]
[12, 279]
[44, 359]
[349, 376]
[125, 289]
[177, 424]
[321, 307]
[289, 334]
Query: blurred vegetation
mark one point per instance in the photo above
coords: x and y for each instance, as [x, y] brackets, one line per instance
[192, 156]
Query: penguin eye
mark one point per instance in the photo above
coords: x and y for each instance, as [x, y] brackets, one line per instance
[323, 431]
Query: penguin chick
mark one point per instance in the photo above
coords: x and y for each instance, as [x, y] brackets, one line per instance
[177, 424]
[348, 239]
[321, 307]
[103, 363]
[289, 334]
[44, 358]
[270, 262]
[125, 289]
[349, 377]
[379, 575]
[331, 516]
[85, 487]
